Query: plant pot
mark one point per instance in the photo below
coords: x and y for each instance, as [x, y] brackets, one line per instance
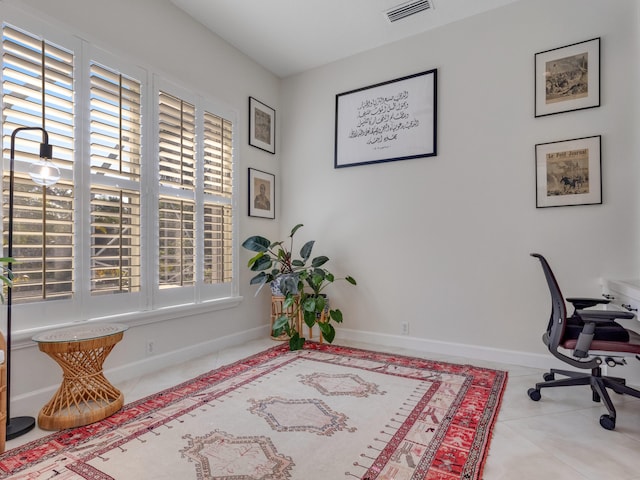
[284, 284]
[322, 315]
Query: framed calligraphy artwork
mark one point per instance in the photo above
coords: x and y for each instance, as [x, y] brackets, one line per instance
[568, 173]
[568, 78]
[262, 189]
[386, 122]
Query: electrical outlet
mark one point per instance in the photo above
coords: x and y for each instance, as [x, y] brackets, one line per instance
[405, 328]
[151, 347]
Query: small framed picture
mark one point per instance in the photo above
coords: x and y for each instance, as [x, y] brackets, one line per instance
[568, 173]
[567, 78]
[262, 126]
[262, 190]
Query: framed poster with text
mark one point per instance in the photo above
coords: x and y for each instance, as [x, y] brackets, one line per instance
[386, 122]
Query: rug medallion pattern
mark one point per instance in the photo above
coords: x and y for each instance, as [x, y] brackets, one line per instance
[220, 456]
[325, 412]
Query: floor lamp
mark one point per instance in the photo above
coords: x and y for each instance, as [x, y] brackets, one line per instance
[44, 173]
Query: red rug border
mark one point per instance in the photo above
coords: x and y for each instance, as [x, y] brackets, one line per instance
[60, 440]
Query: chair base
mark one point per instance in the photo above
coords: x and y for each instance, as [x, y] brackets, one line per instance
[598, 383]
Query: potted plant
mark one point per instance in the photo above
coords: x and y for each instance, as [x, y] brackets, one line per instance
[300, 283]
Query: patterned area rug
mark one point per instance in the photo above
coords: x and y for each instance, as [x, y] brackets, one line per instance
[325, 412]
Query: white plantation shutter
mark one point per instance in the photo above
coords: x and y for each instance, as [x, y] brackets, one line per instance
[177, 242]
[178, 153]
[218, 156]
[177, 142]
[38, 92]
[218, 182]
[115, 136]
[217, 243]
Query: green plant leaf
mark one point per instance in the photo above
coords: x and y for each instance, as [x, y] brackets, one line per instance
[258, 279]
[276, 332]
[351, 280]
[336, 315]
[289, 300]
[319, 261]
[256, 244]
[295, 229]
[305, 251]
[327, 331]
[260, 262]
[309, 304]
[309, 319]
[280, 323]
[296, 342]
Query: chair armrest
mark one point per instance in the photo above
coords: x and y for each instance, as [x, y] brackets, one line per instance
[593, 318]
[604, 316]
[580, 302]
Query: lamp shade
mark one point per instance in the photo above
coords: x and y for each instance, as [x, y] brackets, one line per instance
[43, 172]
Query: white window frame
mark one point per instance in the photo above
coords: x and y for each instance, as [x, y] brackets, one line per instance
[151, 304]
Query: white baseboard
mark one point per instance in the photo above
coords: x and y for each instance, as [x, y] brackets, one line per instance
[526, 359]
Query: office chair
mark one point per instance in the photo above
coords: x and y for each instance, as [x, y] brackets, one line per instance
[590, 337]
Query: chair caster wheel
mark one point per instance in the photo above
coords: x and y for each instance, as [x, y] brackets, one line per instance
[548, 377]
[534, 394]
[608, 422]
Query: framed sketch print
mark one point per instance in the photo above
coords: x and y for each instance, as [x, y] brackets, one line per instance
[568, 78]
[262, 126]
[262, 189]
[568, 173]
[389, 121]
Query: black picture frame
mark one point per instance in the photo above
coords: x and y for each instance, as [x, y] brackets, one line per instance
[569, 172]
[567, 78]
[262, 126]
[262, 194]
[388, 121]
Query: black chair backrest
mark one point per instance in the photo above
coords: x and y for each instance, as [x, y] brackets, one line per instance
[554, 335]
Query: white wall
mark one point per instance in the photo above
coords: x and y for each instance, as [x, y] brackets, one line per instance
[444, 242]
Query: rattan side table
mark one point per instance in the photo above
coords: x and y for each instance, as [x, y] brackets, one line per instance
[85, 395]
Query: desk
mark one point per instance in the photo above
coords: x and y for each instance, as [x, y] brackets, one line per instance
[85, 395]
[625, 294]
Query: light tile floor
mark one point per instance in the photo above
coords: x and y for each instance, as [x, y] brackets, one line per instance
[558, 437]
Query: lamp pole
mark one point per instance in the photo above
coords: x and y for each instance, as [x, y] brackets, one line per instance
[45, 174]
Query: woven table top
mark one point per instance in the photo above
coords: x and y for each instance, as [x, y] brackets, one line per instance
[79, 333]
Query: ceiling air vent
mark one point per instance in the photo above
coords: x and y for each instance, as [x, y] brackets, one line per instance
[407, 9]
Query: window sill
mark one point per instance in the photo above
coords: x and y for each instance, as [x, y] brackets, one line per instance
[22, 338]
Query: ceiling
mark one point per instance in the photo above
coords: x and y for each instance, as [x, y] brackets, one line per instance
[291, 36]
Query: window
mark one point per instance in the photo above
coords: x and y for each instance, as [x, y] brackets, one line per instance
[38, 92]
[115, 139]
[128, 217]
[218, 168]
[178, 149]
